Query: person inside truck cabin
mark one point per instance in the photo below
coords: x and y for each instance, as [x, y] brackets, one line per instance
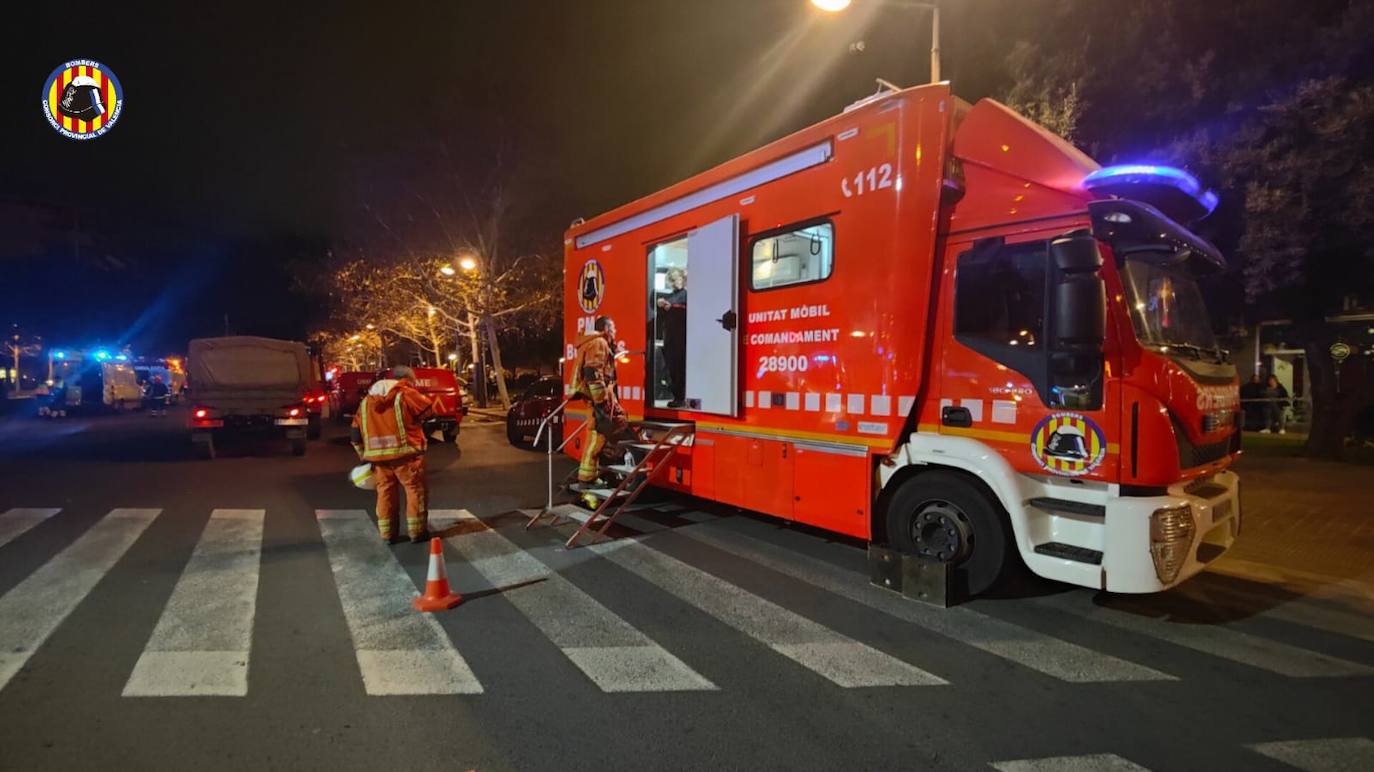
[672, 307]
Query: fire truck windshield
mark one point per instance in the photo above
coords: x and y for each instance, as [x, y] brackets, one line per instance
[1167, 309]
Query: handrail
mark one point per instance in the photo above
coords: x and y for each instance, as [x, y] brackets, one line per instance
[544, 423]
[658, 465]
[550, 450]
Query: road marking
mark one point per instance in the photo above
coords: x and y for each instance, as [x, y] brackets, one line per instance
[1300, 610]
[1338, 754]
[1098, 762]
[610, 651]
[33, 609]
[17, 522]
[838, 658]
[1053, 657]
[1215, 640]
[399, 650]
[202, 641]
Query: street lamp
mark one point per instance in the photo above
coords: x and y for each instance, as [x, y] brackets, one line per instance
[835, 6]
[468, 263]
[447, 270]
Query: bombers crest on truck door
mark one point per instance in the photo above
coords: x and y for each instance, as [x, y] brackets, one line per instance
[1068, 444]
[591, 287]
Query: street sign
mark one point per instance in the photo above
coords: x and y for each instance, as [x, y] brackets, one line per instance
[1339, 351]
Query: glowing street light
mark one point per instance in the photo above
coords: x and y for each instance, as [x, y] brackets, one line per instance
[453, 357]
[468, 263]
[447, 270]
[835, 6]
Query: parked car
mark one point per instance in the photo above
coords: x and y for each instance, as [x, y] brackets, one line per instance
[529, 409]
[441, 384]
[347, 391]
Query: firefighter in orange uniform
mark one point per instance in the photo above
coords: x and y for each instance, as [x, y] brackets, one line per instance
[388, 431]
[594, 379]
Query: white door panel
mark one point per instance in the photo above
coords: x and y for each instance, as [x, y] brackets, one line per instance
[713, 316]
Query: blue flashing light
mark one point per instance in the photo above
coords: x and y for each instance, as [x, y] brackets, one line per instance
[1152, 174]
[102, 355]
[122, 357]
[59, 354]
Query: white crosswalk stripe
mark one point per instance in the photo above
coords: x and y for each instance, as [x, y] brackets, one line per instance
[1097, 762]
[17, 522]
[399, 651]
[201, 643]
[611, 652]
[1051, 656]
[838, 658]
[1337, 754]
[34, 608]
[1214, 640]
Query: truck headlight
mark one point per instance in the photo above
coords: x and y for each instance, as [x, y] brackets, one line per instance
[1171, 537]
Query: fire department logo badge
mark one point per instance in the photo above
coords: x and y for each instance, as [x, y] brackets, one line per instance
[82, 99]
[1068, 444]
[591, 287]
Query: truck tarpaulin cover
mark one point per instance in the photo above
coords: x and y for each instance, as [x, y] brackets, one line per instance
[247, 363]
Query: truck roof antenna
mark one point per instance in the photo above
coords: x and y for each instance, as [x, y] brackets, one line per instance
[888, 85]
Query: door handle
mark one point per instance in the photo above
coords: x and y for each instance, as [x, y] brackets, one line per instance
[956, 416]
[728, 320]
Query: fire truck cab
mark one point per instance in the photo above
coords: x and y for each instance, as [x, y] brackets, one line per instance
[936, 326]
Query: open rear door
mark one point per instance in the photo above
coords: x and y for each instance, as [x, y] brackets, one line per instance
[713, 317]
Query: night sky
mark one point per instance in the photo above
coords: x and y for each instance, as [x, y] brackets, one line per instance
[256, 135]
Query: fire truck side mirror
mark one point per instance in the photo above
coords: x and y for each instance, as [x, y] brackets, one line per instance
[1078, 326]
[1079, 296]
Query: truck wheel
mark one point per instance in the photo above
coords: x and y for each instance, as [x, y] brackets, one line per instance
[451, 435]
[944, 517]
[298, 447]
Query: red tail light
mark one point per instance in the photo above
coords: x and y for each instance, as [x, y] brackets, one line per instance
[293, 412]
[201, 412]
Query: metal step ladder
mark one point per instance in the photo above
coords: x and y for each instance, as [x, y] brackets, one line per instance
[660, 440]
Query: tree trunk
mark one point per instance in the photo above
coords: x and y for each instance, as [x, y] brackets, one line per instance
[1326, 439]
[496, 362]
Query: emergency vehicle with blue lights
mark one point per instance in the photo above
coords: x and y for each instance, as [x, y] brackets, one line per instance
[936, 326]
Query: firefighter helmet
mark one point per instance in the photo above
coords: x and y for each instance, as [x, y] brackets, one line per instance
[81, 99]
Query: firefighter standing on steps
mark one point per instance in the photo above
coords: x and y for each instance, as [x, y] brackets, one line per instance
[388, 431]
[594, 379]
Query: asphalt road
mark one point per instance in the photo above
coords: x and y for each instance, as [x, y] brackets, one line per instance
[159, 612]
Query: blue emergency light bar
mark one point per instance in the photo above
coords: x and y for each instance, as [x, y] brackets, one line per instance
[102, 355]
[59, 354]
[1125, 179]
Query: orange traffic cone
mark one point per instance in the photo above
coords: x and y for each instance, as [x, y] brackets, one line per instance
[438, 596]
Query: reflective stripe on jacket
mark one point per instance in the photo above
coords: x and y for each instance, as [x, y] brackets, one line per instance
[391, 427]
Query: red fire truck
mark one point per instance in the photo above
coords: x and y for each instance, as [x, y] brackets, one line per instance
[935, 326]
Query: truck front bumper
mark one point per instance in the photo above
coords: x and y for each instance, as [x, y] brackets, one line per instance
[1145, 551]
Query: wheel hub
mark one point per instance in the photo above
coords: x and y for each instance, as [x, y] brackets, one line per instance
[941, 531]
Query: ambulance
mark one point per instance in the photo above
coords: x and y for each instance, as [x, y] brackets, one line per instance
[938, 327]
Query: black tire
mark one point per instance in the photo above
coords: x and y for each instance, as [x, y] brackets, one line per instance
[207, 449]
[312, 428]
[298, 447]
[513, 434]
[945, 516]
[451, 435]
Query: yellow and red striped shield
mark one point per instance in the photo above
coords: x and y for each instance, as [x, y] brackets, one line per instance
[1068, 444]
